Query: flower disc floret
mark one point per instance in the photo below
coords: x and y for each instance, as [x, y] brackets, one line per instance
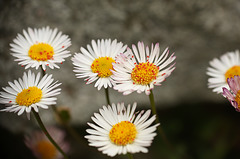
[233, 71]
[103, 66]
[123, 133]
[144, 73]
[29, 96]
[46, 150]
[41, 52]
[237, 98]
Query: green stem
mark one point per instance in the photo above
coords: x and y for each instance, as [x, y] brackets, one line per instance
[107, 96]
[40, 123]
[130, 156]
[159, 128]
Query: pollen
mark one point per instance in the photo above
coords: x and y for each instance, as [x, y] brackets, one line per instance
[237, 98]
[103, 66]
[123, 133]
[41, 52]
[144, 73]
[233, 71]
[29, 96]
[46, 150]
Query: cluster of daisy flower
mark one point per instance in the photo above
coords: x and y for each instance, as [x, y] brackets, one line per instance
[137, 69]
[116, 129]
[110, 64]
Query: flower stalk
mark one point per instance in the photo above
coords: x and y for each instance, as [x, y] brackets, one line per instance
[107, 96]
[130, 156]
[40, 123]
[159, 128]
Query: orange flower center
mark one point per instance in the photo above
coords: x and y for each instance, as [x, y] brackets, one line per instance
[233, 71]
[29, 96]
[41, 52]
[123, 133]
[237, 98]
[103, 66]
[144, 73]
[46, 150]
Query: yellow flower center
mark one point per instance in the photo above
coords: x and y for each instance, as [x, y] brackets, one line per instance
[41, 52]
[102, 66]
[144, 73]
[123, 133]
[46, 150]
[237, 98]
[29, 96]
[233, 71]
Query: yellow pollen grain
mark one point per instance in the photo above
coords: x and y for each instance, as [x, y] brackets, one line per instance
[41, 52]
[29, 96]
[233, 71]
[46, 150]
[144, 73]
[123, 133]
[237, 98]
[102, 66]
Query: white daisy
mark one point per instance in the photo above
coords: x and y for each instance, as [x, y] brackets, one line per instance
[139, 70]
[95, 64]
[43, 46]
[29, 92]
[42, 148]
[221, 69]
[118, 130]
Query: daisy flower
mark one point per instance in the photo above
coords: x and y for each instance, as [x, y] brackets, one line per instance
[29, 92]
[234, 94]
[44, 47]
[140, 69]
[95, 63]
[42, 148]
[118, 130]
[221, 69]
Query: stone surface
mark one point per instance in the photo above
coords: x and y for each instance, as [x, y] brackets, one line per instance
[197, 31]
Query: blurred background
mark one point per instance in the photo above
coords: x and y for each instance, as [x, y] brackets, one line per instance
[198, 123]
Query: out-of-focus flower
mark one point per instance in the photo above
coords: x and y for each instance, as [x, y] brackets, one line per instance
[42, 148]
[234, 94]
[221, 69]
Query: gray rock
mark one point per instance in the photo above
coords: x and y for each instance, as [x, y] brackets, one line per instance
[197, 31]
